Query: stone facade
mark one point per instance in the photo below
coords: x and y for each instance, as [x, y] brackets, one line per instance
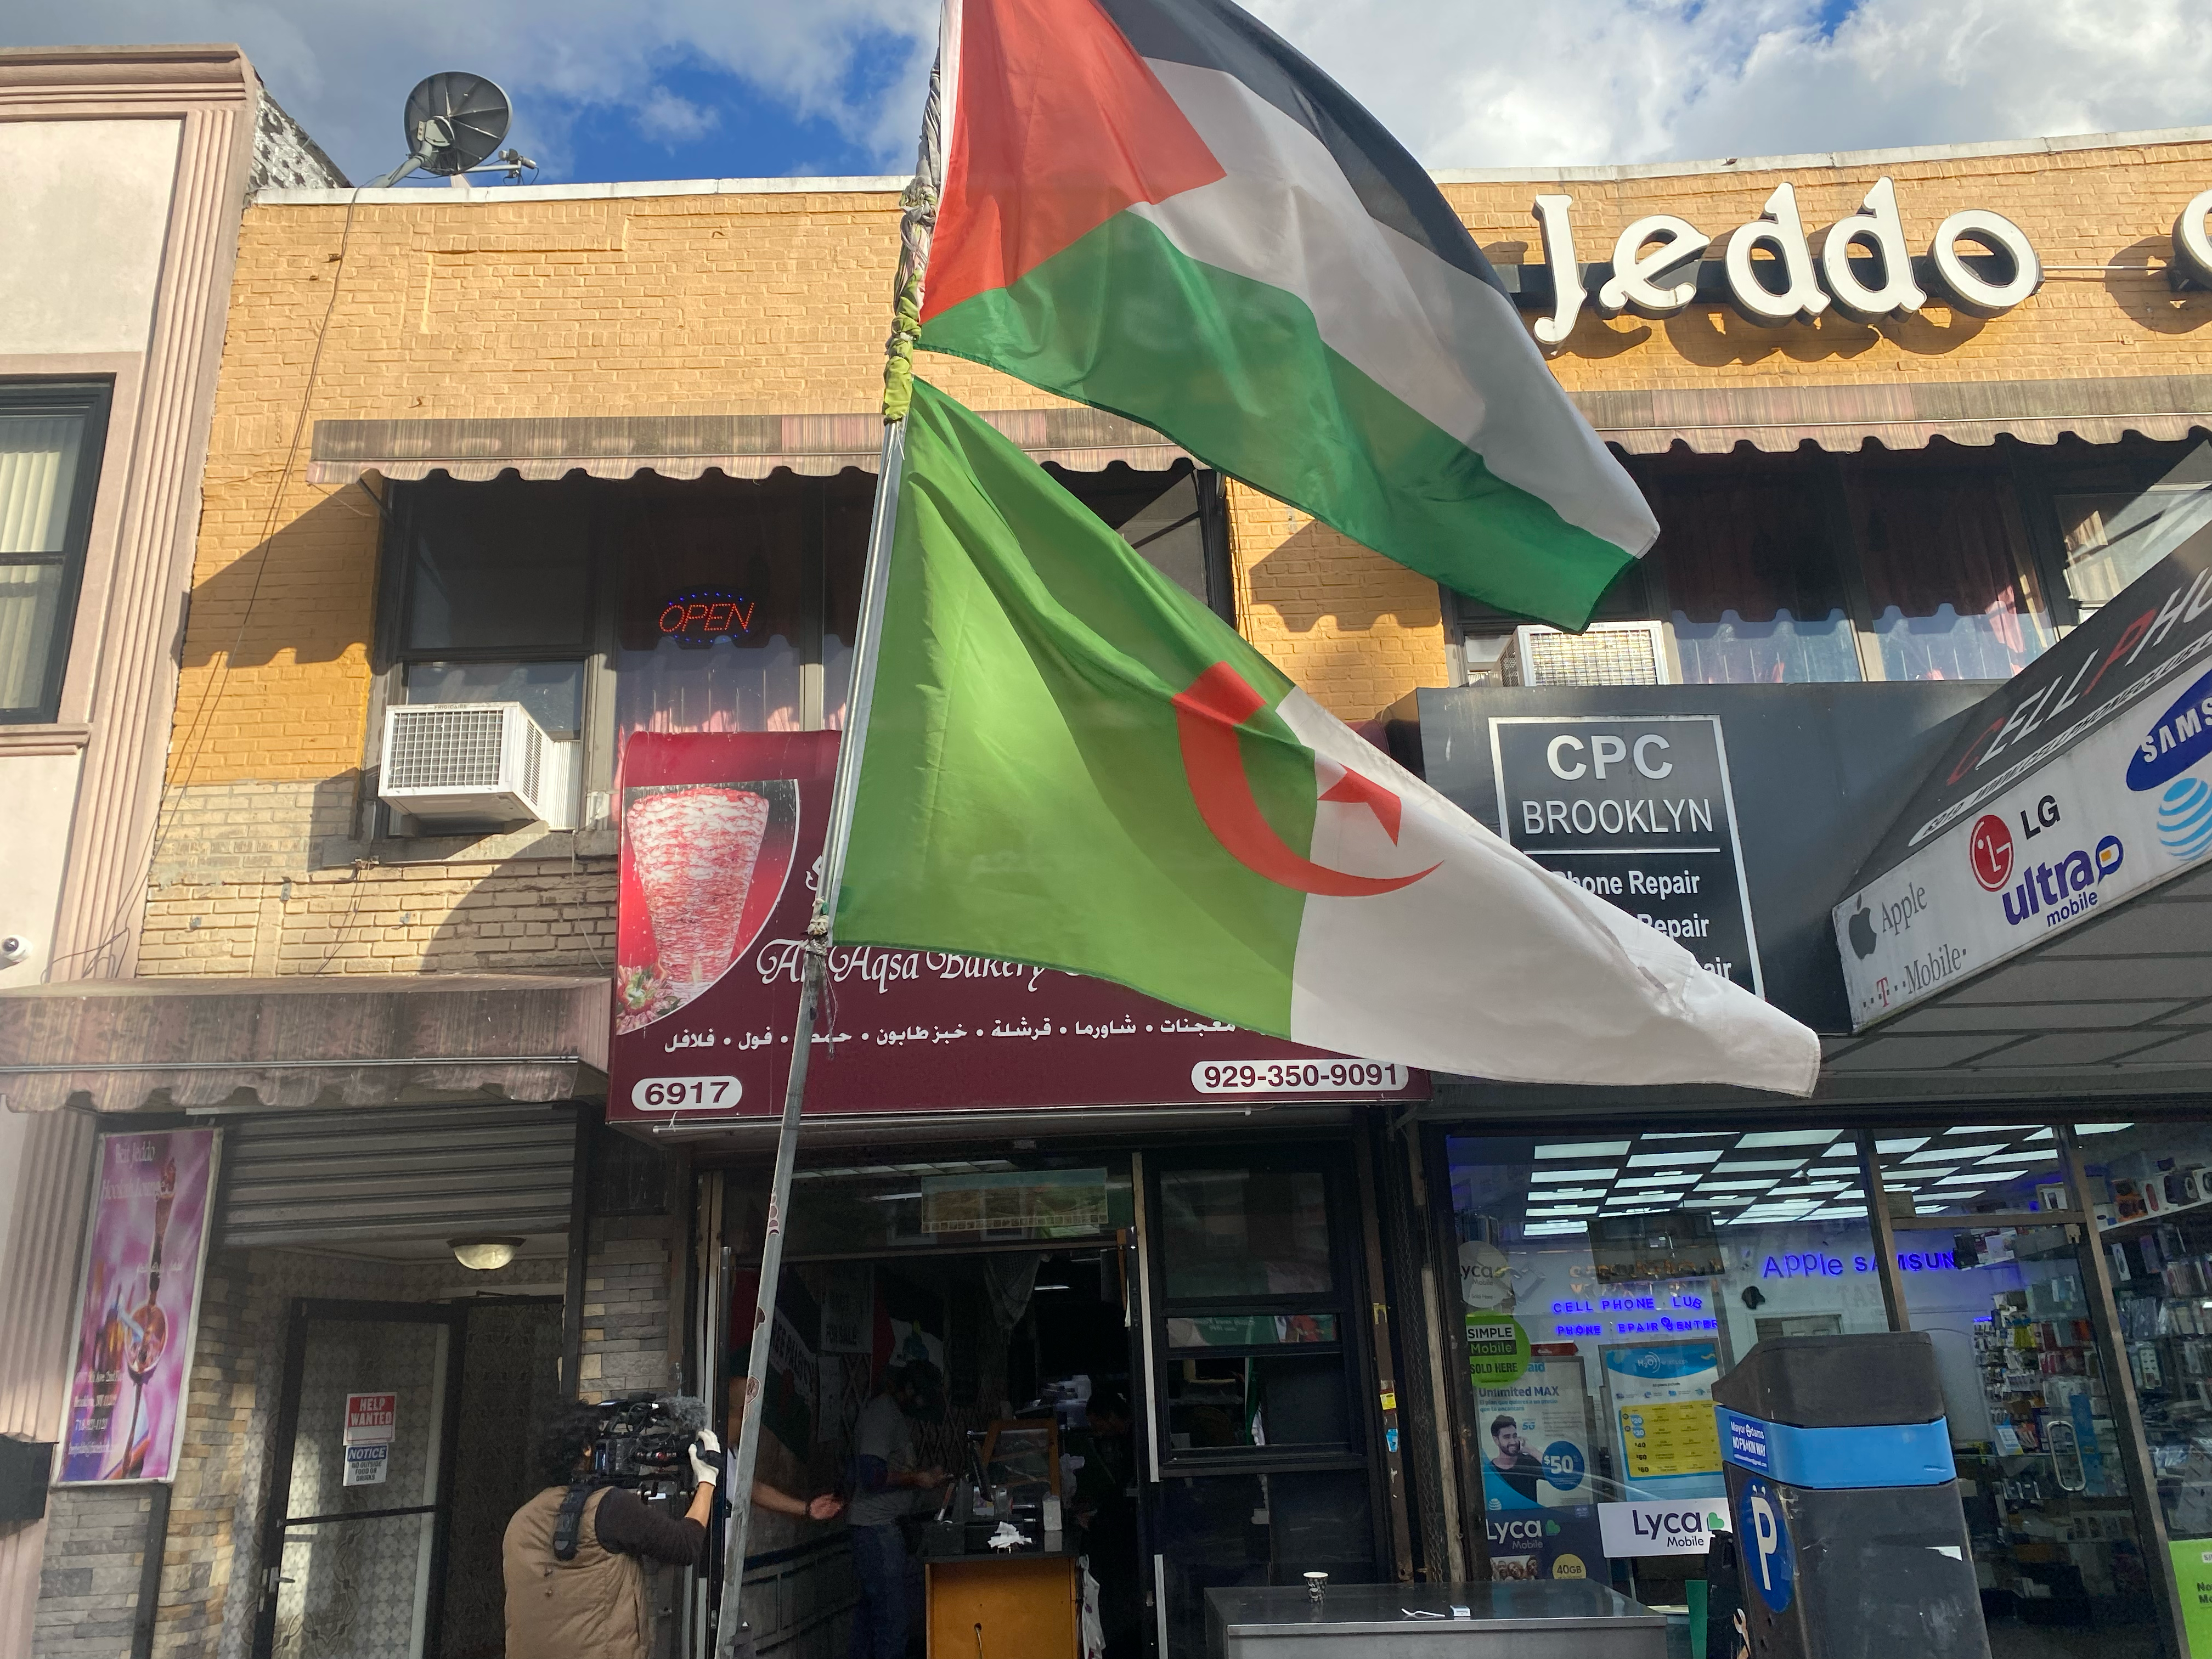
[88, 1584]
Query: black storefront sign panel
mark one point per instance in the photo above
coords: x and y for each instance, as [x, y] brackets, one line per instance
[1640, 811]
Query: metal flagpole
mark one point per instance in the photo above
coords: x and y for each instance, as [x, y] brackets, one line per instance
[917, 221]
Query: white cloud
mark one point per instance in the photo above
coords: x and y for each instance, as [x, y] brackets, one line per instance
[1463, 83]
[342, 67]
[1575, 82]
[674, 120]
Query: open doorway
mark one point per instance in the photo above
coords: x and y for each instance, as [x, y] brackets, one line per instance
[1020, 1345]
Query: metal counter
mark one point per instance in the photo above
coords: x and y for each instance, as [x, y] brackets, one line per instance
[1546, 1619]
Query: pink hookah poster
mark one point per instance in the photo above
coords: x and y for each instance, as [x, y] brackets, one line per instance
[141, 1286]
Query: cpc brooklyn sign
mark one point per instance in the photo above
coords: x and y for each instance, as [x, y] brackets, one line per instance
[1769, 271]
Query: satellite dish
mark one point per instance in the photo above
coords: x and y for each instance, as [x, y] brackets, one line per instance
[455, 120]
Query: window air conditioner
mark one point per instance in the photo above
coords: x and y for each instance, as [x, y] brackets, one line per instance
[473, 761]
[1610, 654]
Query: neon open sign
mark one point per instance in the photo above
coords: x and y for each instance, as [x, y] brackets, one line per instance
[708, 614]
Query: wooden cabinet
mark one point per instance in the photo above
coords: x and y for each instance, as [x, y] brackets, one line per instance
[1009, 1607]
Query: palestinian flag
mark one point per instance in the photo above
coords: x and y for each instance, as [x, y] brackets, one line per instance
[1071, 762]
[1159, 208]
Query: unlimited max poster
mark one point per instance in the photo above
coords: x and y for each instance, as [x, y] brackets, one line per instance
[136, 1310]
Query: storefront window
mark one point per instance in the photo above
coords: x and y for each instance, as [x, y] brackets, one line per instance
[2112, 536]
[1946, 574]
[714, 605]
[1263, 1444]
[2154, 1182]
[1752, 579]
[2010, 1310]
[947, 1205]
[1606, 1285]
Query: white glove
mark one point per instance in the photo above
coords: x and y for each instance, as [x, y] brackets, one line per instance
[706, 1458]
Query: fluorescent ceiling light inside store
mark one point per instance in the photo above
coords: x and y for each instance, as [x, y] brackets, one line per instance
[1686, 1155]
[1603, 1172]
[1585, 1149]
[1790, 1137]
[2101, 1128]
[1954, 1154]
[1736, 1164]
[1911, 1144]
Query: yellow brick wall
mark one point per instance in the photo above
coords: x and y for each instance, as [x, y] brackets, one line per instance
[2112, 209]
[445, 308]
[519, 915]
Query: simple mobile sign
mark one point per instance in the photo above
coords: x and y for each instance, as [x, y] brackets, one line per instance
[1639, 811]
[720, 836]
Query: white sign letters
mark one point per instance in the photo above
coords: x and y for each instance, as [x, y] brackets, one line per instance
[1655, 263]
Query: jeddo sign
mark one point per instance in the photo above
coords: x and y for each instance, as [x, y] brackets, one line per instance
[1654, 262]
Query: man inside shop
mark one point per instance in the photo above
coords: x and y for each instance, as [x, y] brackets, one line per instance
[887, 1487]
[1511, 1463]
[574, 1558]
[1106, 1511]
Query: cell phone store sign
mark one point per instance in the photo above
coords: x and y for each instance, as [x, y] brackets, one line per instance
[720, 835]
[2118, 799]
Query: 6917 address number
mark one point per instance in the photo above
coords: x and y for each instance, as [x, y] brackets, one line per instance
[1294, 1076]
[686, 1094]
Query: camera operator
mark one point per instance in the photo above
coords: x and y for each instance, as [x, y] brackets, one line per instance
[573, 1555]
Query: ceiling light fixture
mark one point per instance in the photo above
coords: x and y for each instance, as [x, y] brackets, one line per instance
[484, 1254]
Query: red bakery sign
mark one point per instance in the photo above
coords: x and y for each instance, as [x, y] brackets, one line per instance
[720, 835]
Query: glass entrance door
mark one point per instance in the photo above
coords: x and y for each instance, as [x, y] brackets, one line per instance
[1261, 1449]
[352, 1559]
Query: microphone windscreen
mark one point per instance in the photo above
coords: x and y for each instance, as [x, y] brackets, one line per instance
[685, 1411]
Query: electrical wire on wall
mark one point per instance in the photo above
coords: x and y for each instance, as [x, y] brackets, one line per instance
[192, 741]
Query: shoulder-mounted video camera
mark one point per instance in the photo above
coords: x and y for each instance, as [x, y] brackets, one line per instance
[643, 1442]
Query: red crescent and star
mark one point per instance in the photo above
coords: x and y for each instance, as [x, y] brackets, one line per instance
[1208, 715]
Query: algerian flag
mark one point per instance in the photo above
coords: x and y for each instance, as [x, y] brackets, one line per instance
[1070, 762]
[1159, 208]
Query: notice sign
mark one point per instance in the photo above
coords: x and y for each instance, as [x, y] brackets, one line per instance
[371, 1420]
[1639, 811]
[366, 1466]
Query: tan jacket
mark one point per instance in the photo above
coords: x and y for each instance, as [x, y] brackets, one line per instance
[590, 1608]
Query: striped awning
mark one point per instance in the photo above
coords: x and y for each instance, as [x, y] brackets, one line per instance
[691, 446]
[1899, 414]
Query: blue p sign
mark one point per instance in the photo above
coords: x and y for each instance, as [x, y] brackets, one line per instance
[1769, 1560]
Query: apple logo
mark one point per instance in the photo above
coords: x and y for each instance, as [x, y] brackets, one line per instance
[1861, 929]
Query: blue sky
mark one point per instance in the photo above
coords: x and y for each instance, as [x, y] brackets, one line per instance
[706, 88]
[706, 122]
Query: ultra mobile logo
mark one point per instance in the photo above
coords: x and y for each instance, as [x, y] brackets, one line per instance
[2065, 887]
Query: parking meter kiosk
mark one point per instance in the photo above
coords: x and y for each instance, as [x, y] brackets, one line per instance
[1845, 1501]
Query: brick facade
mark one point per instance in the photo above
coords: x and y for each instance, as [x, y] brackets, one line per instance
[773, 301]
[446, 305]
